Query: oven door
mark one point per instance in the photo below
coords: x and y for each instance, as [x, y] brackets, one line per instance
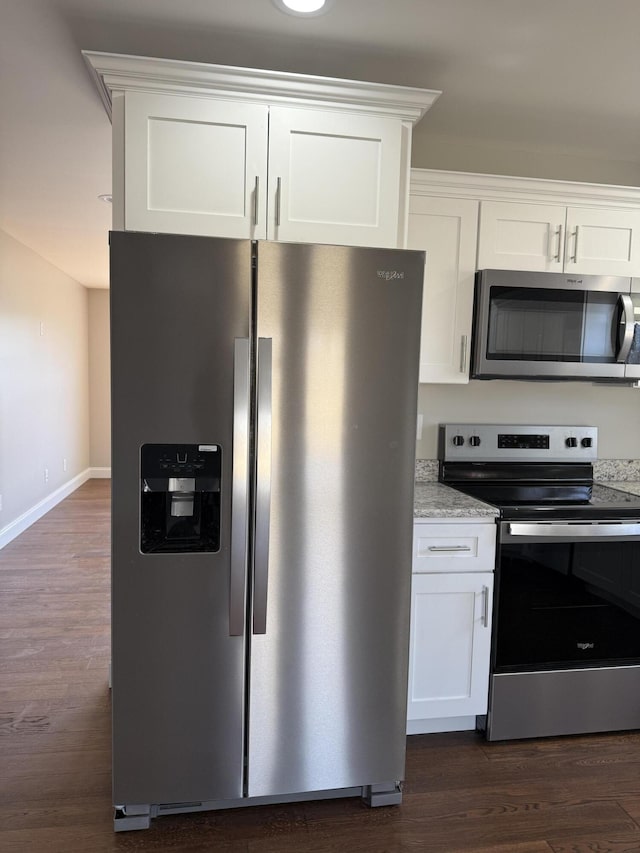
[548, 325]
[568, 595]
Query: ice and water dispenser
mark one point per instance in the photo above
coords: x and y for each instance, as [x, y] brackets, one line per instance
[180, 497]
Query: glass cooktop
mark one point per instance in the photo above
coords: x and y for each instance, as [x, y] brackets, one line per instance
[603, 503]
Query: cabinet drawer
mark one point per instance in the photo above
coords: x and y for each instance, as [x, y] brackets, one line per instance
[454, 547]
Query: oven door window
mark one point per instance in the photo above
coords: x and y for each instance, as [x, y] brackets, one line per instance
[536, 324]
[562, 605]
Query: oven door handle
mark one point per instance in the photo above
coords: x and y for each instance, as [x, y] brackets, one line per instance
[572, 531]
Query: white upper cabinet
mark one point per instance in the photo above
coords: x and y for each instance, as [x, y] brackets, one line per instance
[602, 242]
[195, 166]
[446, 229]
[333, 178]
[553, 238]
[237, 152]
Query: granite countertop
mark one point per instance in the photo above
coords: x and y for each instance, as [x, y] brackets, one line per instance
[435, 500]
[630, 486]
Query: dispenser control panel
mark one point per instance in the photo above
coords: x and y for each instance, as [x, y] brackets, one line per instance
[180, 498]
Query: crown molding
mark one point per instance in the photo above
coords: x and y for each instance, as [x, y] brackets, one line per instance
[113, 72]
[432, 182]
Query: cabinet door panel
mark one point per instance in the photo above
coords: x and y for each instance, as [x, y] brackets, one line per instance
[333, 178]
[603, 242]
[195, 166]
[446, 229]
[450, 645]
[517, 236]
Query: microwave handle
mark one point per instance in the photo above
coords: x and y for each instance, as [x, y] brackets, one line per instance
[625, 335]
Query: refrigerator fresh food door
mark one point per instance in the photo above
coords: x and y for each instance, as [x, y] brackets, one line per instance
[180, 318]
[337, 377]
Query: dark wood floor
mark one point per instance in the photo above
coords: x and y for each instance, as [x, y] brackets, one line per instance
[567, 795]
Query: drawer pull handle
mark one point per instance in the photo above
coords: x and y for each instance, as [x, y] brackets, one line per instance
[450, 548]
[485, 606]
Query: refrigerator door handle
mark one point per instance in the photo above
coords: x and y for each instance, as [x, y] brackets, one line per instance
[239, 489]
[263, 487]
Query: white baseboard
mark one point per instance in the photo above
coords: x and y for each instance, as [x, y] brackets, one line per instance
[20, 524]
[96, 473]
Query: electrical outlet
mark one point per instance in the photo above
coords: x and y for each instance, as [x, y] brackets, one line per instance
[46, 475]
[64, 464]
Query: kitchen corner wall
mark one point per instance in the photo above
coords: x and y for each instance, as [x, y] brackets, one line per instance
[614, 410]
[44, 399]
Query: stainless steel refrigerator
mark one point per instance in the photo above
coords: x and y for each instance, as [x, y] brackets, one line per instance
[263, 433]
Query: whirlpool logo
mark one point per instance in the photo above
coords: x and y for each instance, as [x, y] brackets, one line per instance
[390, 275]
[585, 646]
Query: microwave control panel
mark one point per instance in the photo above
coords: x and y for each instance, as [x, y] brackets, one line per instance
[513, 442]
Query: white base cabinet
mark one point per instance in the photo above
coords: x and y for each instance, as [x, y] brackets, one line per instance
[450, 641]
[450, 645]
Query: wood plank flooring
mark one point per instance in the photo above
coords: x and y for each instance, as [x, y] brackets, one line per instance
[559, 795]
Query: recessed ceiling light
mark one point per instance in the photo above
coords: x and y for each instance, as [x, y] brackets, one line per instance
[303, 8]
[106, 197]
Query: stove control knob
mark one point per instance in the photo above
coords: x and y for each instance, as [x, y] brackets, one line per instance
[587, 442]
[474, 441]
[571, 442]
[458, 440]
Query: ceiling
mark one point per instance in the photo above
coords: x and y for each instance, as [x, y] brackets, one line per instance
[535, 75]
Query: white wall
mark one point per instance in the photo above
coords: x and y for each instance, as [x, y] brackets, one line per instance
[430, 151]
[44, 405]
[99, 380]
[615, 411]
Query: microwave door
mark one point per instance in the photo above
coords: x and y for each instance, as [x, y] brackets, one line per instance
[540, 332]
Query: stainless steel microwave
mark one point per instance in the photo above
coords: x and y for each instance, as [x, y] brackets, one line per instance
[538, 325]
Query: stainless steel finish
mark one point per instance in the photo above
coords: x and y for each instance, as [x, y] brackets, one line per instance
[328, 683]
[263, 487]
[178, 736]
[140, 816]
[240, 488]
[575, 246]
[541, 531]
[448, 548]
[558, 254]
[485, 606]
[256, 200]
[488, 451]
[561, 702]
[481, 366]
[627, 322]
[182, 484]
[463, 353]
[278, 200]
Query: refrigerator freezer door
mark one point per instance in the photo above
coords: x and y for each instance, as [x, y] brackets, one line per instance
[328, 681]
[178, 304]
